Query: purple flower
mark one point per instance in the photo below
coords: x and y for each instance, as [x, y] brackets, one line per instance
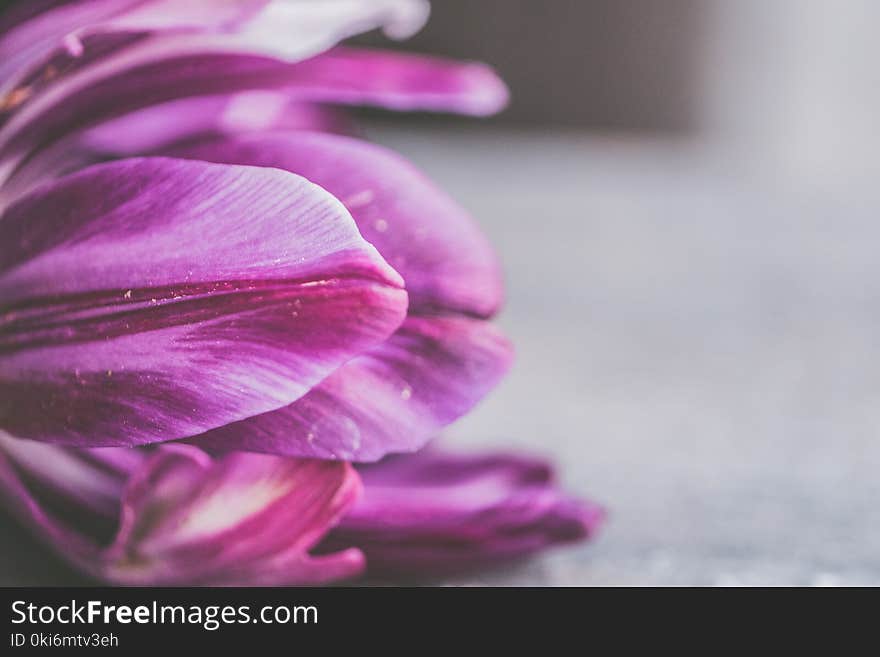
[330, 306]
[197, 261]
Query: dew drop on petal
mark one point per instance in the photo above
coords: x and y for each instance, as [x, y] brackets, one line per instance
[360, 199]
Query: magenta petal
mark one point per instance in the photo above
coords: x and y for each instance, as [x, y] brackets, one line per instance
[401, 81]
[245, 518]
[185, 519]
[85, 481]
[161, 29]
[30, 38]
[432, 512]
[342, 76]
[392, 399]
[158, 127]
[446, 261]
[150, 300]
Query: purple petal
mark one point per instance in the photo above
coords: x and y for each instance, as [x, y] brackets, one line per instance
[187, 119]
[446, 261]
[151, 300]
[435, 368]
[245, 518]
[153, 29]
[158, 127]
[400, 81]
[393, 399]
[31, 38]
[348, 76]
[90, 483]
[185, 519]
[431, 512]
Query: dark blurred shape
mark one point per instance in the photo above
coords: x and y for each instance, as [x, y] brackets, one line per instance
[620, 64]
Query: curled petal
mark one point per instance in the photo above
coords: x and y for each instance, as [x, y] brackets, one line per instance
[393, 399]
[186, 519]
[244, 518]
[151, 300]
[431, 512]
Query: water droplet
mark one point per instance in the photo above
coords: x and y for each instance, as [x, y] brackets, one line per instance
[360, 199]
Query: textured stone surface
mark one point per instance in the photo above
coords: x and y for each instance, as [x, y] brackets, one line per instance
[697, 351]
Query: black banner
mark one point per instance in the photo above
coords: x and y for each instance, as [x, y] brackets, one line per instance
[332, 618]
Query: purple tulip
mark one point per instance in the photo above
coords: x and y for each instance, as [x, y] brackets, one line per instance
[198, 262]
[331, 306]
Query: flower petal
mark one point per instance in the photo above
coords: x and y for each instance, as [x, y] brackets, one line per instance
[30, 38]
[62, 33]
[82, 480]
[245, 518]
[446, 261]
[114, 87]
[151, 300]
[400, 81]
[392, 399]
[433, 512]
[185, 519]
[158, 127]
[53, 57]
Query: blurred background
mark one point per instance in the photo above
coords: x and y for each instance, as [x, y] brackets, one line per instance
[685, 197]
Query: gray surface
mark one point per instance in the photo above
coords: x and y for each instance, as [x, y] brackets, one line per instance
[697, 352]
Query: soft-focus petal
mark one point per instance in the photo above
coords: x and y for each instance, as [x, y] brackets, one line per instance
[118, 43]
[188, 119]
[393, 399]
[29, 37]
[400, 81]
[431, 512]
[285, 28]
[160, 126]
[90, 483]
[344, 75]
[150, 300]
[185, 519]
[446, 261]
